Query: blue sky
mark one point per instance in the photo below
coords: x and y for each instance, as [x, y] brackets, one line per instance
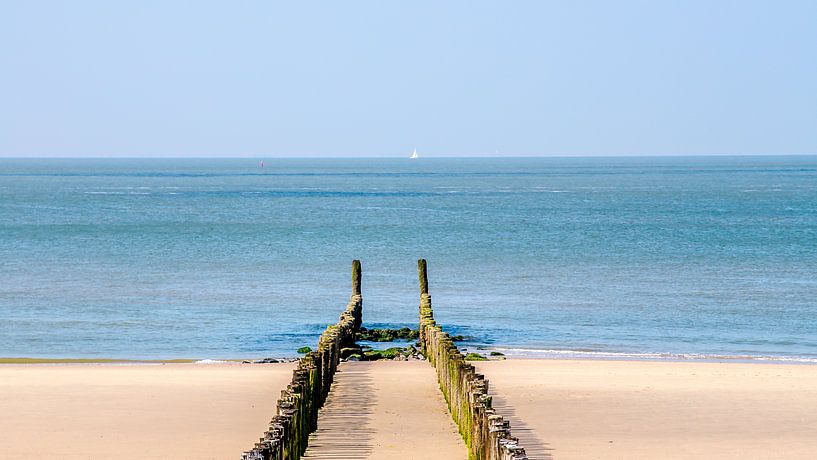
[379, 78]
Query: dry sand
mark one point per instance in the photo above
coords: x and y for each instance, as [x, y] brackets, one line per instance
[559, 410]
[614, 409]
[386, 410]
[170, 411]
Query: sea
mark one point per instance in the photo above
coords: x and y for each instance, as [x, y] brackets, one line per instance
[679, 258]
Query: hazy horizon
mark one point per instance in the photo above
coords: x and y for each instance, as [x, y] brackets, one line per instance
[395, 156]
[372, 79]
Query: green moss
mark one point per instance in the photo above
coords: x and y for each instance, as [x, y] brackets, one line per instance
[304, 350]
[389, 353]
[475, 357]
[349, 351]
[496, 353]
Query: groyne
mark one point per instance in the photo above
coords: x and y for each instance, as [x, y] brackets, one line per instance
[296, 413]
[486, 433]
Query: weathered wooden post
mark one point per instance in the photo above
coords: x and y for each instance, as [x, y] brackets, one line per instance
[423, 274]
[356, 301]
[425, 303]
[356, 277]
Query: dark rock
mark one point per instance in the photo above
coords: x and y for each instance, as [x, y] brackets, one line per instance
[387, 335]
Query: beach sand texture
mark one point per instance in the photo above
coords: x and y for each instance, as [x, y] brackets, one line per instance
[669, 410]
[559, 409]
[386, 410]
[101, 411]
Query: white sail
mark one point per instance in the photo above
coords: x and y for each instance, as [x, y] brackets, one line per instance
[414, 155]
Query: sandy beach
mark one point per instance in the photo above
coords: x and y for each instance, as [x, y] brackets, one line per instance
[132, 411]
[564, 409]
[559, 409]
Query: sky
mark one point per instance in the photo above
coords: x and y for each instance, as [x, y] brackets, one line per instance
[380, 78]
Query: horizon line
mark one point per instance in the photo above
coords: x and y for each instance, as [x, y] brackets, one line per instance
[431, 156]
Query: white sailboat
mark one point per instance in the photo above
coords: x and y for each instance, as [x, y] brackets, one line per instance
[414, 155]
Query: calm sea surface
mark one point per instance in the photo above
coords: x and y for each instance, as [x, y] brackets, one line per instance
[646, 257]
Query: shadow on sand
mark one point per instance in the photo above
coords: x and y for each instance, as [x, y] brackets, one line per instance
[343, 422]
[535, 447]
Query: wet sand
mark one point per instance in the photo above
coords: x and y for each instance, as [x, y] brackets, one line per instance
[565, 410]
[133, 411]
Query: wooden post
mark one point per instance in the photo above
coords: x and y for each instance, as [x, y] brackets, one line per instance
[356, 275]
[423, 274]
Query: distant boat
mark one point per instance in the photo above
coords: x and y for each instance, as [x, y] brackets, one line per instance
[414, 155]
[261, 164]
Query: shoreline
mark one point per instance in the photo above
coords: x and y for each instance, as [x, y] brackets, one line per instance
[507, 354]
[24, 360]
[512, 352]
[204, 361]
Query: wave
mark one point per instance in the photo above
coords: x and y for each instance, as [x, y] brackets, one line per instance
[117, 193]
[210, 361]
[647, 356]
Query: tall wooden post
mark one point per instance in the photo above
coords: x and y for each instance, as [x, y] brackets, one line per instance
[356, 275]
[423, 275]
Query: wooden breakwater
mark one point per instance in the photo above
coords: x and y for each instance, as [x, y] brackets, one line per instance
[486, 433]
[296, 414]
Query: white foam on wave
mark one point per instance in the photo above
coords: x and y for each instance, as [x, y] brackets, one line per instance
[116, 193]
[647, 356]
[210, 361]
[550, 190]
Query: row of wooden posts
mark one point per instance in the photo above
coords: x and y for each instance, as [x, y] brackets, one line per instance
[296, 414]
[486, 434]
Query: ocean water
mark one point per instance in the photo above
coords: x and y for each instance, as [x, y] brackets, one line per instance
[218, 258]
